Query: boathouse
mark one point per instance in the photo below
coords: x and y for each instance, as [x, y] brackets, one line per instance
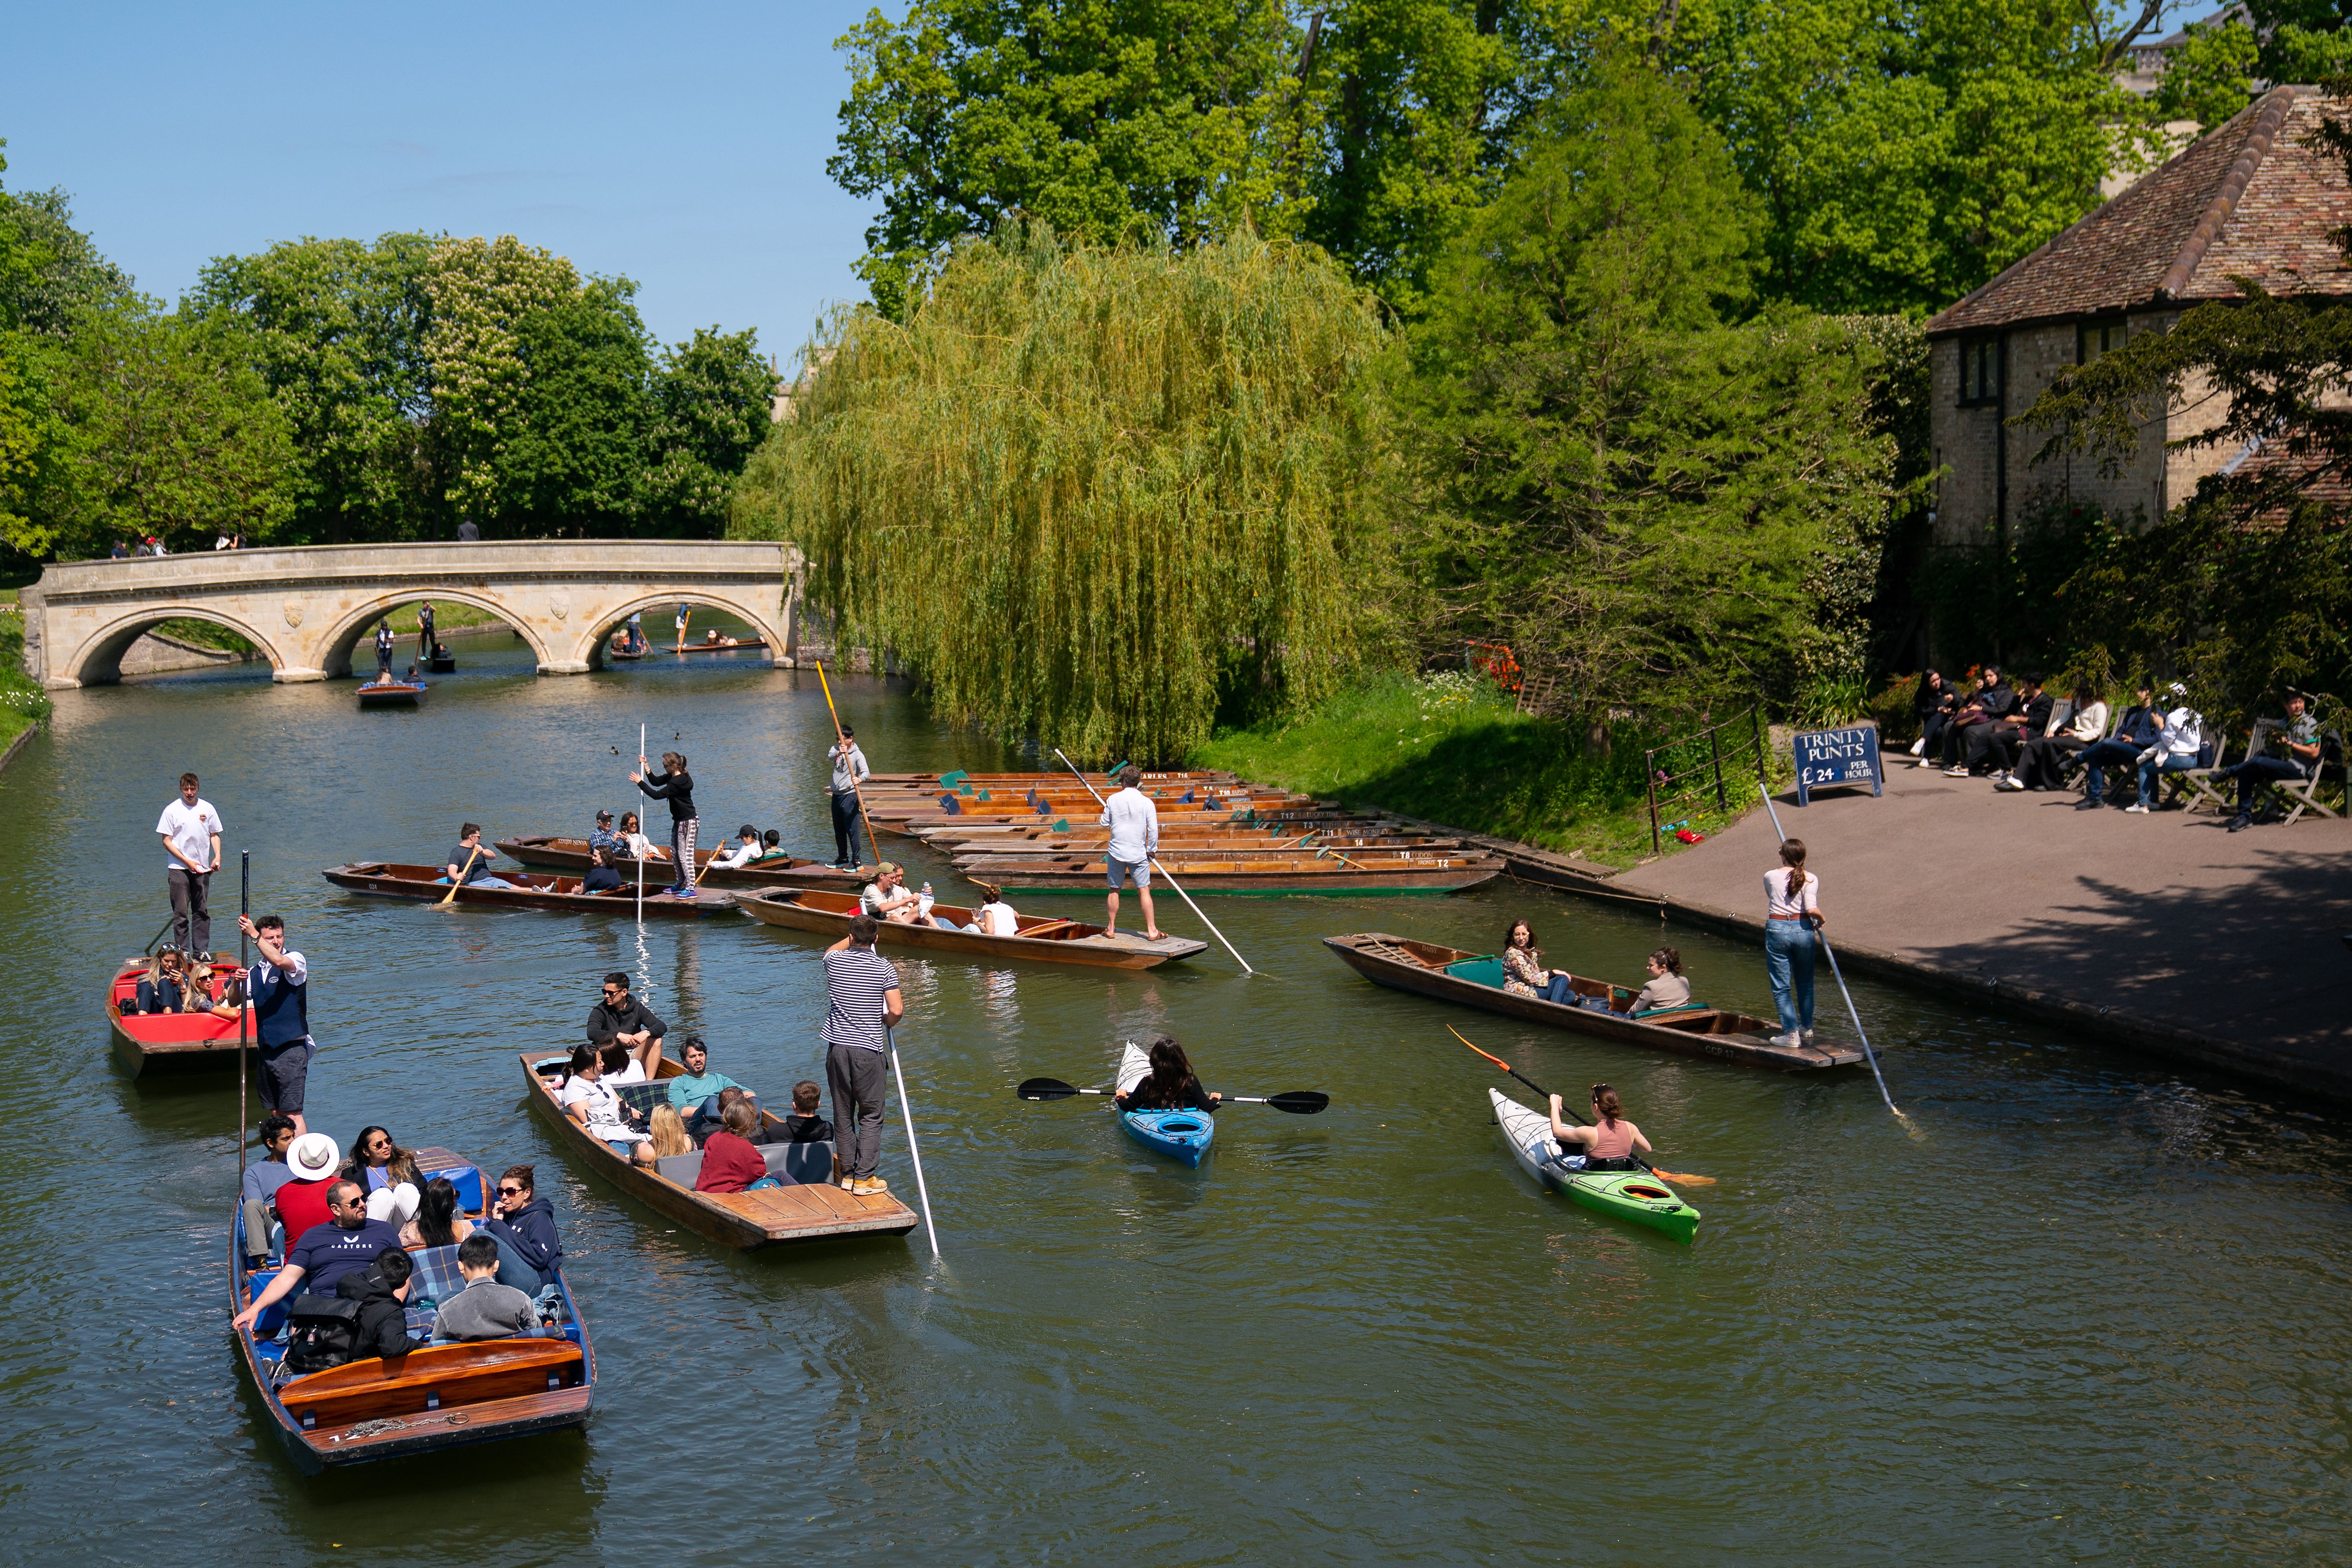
[2255, 199]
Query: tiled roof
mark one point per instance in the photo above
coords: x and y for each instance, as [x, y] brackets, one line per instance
[2254, 197]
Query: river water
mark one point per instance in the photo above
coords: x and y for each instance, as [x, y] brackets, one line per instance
[2096, 1315]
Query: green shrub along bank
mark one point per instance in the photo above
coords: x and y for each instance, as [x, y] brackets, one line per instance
[1449, 749]
[447, 617]
[23, 703]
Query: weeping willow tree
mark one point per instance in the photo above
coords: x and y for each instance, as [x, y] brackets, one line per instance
[1095, 496]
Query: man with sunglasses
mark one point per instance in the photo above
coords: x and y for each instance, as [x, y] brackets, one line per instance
[527, 1221]
[621, 1016]
[316, 1261]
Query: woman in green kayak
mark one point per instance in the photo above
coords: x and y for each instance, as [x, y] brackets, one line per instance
[1610, 1142]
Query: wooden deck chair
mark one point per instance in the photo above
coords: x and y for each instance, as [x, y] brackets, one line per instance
[2305, 792]
[2115, 724]
[2205, 786]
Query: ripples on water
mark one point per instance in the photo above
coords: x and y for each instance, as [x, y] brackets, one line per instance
[2097, 1315]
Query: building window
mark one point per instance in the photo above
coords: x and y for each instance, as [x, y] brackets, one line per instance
[2095, 339]
[1979, 370]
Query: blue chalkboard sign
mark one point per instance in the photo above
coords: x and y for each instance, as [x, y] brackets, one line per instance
[1827, 757]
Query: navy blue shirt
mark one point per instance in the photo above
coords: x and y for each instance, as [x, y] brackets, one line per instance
[328, 1252]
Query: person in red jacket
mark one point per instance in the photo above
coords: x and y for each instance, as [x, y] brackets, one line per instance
[301, 1203]
[729, 1162]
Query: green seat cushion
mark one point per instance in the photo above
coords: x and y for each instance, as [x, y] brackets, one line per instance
[1486, 970]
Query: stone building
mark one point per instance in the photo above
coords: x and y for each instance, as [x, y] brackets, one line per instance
[2254, 198]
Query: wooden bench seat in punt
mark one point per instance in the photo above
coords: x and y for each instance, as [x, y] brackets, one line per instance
[460, 1376]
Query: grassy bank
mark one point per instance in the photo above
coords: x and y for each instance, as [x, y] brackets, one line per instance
[23, 703]
[447, 616]
[1449, 749]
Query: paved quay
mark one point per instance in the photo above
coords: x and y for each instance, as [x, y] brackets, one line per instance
[2165, 932]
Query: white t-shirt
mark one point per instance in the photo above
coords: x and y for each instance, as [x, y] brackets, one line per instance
[998, 920]
[190, 828]
[604, 1110]
[742, 855]
[1776, 894]
[634, 1073]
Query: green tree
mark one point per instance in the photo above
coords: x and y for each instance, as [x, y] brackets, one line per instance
[1094, 495]
[1657, 510]
[478, 293]
[711, 400]
[336, 329]
[163, 427]
[1106, 119]
[570, 453]
[2209, 77]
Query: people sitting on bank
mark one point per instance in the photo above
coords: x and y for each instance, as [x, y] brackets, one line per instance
[621, 1067]
[163, 989]
[602, 837]
[695, 1092]
[2134, 732]
[526, 1221]
[729, 1162]
[1933, 703]
[257, 1190]
[485, 1308]
[742, 852]
[1668, 986]
[1609, 1144]
[317, 1260]
[2179, 740]
[1969, 710]
[469, 862]
[1170, 1085]
[2049, 755]
[2298, 757]
[317, 1166]
[621, 1016]
[590, 1101]
[887, 898]
[382, 1290]
[377, 1162]
[1994, 744]
[1524, 976]
[601, 878]
[1970, 738]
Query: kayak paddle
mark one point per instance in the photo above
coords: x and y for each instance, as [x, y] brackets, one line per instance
[1679, 1177]
[1298, 1102]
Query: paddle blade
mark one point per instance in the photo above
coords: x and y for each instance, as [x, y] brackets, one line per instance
[1044, 1089]
[1299, 1101]
[1682, 1179]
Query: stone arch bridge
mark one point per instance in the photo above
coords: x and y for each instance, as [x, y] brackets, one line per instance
[305, 608]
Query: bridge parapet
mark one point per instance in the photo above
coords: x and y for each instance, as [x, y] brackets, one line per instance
[306, 607]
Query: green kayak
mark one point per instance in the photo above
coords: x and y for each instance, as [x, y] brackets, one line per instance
[1634, 1195]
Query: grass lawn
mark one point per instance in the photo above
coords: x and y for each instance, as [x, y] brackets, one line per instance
[1449, 749]
[447, 616]
[23, 703]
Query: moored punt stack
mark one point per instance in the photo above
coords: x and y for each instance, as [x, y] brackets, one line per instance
[435, 1396]
[810, 1206]
[1245, 871]
[148, 1042]
[530, 891]
[1476, 980]
[571, 855]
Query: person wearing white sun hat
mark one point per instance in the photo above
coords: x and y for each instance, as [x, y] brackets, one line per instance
[301, 1202]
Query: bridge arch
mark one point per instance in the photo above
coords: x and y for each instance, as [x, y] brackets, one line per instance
[335, 651]
[99, 662]
[600, 636]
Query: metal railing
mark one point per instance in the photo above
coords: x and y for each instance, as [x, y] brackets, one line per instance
[1670, 789]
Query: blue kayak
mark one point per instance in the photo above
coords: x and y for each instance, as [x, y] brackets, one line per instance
[1179, 1134]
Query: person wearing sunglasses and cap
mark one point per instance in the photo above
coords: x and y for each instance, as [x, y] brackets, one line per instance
[602, 837]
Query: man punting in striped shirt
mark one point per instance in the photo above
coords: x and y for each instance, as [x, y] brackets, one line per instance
[862, 993]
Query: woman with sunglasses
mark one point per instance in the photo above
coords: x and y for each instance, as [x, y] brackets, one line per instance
[377, 1162]
[527, 1221]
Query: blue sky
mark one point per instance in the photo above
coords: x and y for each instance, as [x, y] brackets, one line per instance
[686, 150]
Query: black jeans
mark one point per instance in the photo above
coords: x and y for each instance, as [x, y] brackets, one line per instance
[1997, 741]
[2045, 759]
[1931, 734]
[859, 1081]
[2252, 775]
[191, 915]
[845, 828]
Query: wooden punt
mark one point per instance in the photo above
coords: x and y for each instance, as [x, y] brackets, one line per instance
[955, 776]
[1061, 818]
[532, 890]
[1070, 847]
[559, 854]
[813, 1211]
[1422, 968]
[1049, 941]
[392, 694]
[1271, 875]
[170, 1042]
[434, 1398]
[975, 836]
[441, 664]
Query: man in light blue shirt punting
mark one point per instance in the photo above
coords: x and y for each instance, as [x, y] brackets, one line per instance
[1134, 824]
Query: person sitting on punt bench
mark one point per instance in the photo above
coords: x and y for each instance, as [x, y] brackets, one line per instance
[1523, 976]
[321, 1256]
[528, 1221]
[695, 1092]
[469, 863]
[2301, 734]
[729, 1162]
[382, 1290]
[317, 1165]
[772, 847]
[801, 1124]
[602, 837]
[440, 1220]
[163, 989]
[745, 850]
[1668, 988]
[601, 877]
[592, 1102]
[2135, 731]
[257, 1192]
[485, 1308]
[621, 1016]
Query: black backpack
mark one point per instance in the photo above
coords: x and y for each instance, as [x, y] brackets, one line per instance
[322, 1331]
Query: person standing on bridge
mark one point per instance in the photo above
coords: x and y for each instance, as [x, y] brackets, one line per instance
[424, 630]
[191, 831]
[675, 785]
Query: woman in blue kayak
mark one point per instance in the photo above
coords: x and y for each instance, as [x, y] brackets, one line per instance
[1170, 1085]
[1610, 1142]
